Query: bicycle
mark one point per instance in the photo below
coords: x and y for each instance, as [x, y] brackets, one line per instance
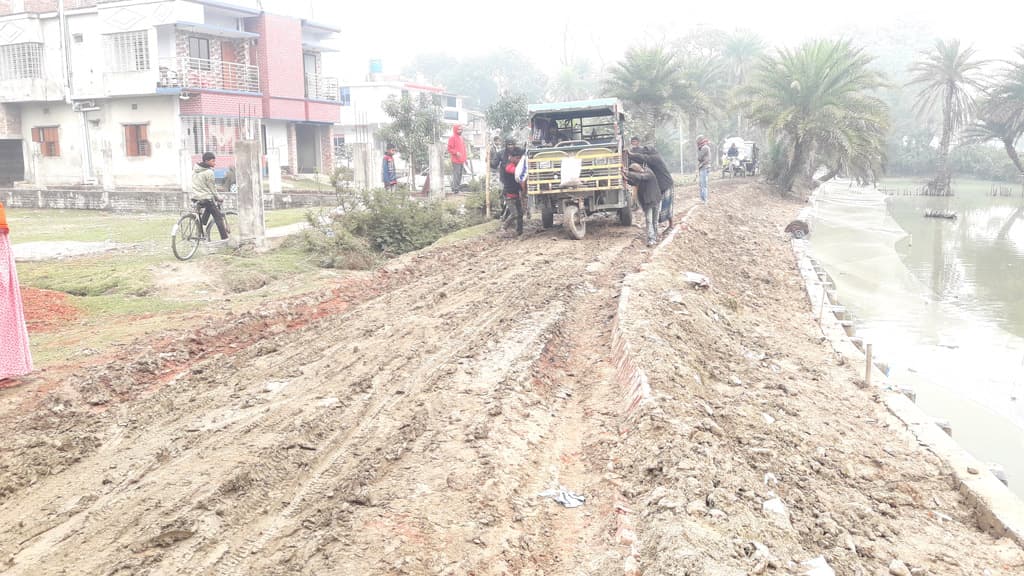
[189, 231]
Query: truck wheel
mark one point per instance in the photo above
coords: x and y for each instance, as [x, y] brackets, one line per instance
[573, 221]
[547, 214]
[626, 215]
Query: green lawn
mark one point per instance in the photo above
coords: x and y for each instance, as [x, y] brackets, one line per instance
[31, 225]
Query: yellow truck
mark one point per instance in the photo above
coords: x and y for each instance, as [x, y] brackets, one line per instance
[575, 157]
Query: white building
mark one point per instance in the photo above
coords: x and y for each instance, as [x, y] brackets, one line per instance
[132, 92]
[362, 112]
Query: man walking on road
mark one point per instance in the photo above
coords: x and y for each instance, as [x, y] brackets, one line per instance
[703, 166]
[511, 188]
[649, 195]
[457, 150]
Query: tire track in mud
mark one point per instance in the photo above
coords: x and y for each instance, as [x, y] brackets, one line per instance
[420, 330]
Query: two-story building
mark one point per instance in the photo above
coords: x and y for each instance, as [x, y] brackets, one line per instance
[362, 112]
[132, 92]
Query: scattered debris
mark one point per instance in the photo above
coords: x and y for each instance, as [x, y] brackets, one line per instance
[697, 280]
[564, 496]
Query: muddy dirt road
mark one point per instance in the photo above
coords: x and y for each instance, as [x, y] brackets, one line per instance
[405, 421]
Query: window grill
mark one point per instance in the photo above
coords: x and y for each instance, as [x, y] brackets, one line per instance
[218, 134]
[136, 140]
[23, 60]
[127, 51]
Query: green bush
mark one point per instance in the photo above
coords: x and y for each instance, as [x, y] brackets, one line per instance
[335, 246]
[393, 223]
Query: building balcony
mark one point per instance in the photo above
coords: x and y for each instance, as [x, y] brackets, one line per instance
[30, 89]
[200, 74]
[321, 88]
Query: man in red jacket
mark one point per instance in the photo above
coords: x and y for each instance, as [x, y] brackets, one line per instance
[457, 150]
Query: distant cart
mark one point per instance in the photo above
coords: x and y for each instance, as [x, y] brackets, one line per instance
[574, 162]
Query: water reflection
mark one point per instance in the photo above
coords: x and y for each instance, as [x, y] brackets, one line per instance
[942, 300]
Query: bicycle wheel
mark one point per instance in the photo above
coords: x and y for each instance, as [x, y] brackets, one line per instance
[185, 237]
[230, 221]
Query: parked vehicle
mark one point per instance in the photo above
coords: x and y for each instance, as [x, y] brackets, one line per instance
[574, 161]
[746, 163]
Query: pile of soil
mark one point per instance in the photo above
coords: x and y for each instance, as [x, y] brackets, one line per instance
[46, 310]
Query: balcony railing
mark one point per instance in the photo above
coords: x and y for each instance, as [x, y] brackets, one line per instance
[201, 74]
[321, 88]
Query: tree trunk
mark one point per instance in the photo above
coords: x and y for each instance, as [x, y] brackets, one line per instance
[941, 183]
[691, 124]
[1012, 153]
[797, 166]
[832, 173]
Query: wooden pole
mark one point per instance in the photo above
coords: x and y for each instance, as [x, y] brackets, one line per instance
[487, 184]
[867, 366]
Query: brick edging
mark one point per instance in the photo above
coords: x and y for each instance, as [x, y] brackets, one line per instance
[632, 379]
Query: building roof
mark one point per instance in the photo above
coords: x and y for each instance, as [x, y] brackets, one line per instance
[228, 7]
[312, 46]
[320, 26]
[576, 105]
[214, 30]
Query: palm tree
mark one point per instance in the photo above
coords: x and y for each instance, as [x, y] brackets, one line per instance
[703, 91]
[995, 124]
[816, 103]
[575, 81]
[740, 52]
[647, 79]
[948, 76]
[1007, 96]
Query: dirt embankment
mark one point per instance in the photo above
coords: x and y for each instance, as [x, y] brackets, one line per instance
[754, 413]
[406, 421]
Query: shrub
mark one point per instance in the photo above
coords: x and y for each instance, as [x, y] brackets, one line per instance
[335, 246]
[393, 223]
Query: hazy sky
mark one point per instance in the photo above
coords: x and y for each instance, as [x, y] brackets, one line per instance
[395, 31]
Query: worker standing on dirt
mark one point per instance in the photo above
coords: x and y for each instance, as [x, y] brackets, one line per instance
[649, 156]
[511, 188]
[457, 151]
[649, 195]
[15, 356]
[703, 166]
[204, 193]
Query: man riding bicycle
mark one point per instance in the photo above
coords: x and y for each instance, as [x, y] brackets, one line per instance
[204, 194]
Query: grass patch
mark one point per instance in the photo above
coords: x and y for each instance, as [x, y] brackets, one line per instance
[122, 275]
[275, 218]
[467, 233]
[32, 225]
[244, 274]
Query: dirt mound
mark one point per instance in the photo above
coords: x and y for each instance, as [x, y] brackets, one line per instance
[47, 310]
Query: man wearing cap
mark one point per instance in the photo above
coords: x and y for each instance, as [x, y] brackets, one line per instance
[204, 194]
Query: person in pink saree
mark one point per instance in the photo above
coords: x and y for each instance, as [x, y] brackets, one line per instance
[15, 358]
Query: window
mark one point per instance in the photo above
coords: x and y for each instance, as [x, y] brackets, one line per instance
[346, 96]
[452, 101]
[136, 142]
[127, 51]
[48, 138]
[198, 53]
[451, 114]
[23, 60]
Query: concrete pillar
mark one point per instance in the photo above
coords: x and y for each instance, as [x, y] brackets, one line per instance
[361, 167]
[250, 192]
[185, 169]
[436, 172]
[274, 170]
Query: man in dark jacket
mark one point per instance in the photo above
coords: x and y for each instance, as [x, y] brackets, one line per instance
[510, 188]
[388, 174]
[649, 195]
[650, 157]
